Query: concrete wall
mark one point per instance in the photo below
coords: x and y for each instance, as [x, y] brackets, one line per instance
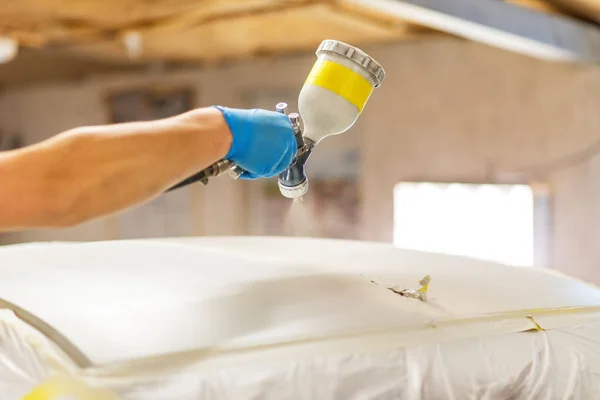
[448, 111]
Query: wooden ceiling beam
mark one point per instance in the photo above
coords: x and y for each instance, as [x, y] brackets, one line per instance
[401, 27]
[105, 14]
[40, 65]
[282, 30]
[219, 10]
[51, 32]
[587, 9]
[537, 5]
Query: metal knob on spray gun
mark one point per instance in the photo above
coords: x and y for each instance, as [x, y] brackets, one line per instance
[331, 100]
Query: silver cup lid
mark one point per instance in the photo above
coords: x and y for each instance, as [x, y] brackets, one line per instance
[355, 55]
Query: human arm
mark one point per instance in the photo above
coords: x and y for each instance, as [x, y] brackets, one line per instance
[95, 171]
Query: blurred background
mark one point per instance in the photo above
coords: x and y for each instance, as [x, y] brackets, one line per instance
[482, 140]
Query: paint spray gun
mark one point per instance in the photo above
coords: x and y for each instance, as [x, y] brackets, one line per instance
[331, 100]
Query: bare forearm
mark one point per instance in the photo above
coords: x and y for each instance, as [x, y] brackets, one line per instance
[94, 171]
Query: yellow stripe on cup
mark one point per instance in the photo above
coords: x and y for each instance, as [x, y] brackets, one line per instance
[62, 387]
[341, 80]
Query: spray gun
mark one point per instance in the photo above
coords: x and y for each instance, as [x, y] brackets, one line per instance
[331, 100]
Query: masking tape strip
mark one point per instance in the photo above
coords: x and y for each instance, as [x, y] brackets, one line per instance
[341, 80]
[63, 388]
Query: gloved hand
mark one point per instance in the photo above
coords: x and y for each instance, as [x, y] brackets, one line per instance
[263, 142]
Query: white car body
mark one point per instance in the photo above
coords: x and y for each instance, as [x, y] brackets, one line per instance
[289, 318]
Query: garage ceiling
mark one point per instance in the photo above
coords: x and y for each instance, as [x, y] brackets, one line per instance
[589, 9]
[66, 37]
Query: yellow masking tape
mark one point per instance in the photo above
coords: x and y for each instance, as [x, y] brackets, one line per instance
[341, 80]
[62, 387]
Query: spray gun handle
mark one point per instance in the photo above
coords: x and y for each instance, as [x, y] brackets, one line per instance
[235, 171]
[227, 166]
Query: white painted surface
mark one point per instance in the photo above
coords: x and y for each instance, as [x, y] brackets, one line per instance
[244, 318]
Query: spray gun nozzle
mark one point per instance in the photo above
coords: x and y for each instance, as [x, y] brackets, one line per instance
[293, 182]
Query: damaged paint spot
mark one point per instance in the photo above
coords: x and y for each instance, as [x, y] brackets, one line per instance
[537, 326]
[417, 294]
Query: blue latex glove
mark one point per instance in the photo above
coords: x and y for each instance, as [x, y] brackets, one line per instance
[263, 142]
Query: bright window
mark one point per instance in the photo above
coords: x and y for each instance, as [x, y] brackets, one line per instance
[489, 222]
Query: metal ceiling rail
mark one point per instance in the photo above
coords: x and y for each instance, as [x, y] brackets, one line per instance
[502, 25]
